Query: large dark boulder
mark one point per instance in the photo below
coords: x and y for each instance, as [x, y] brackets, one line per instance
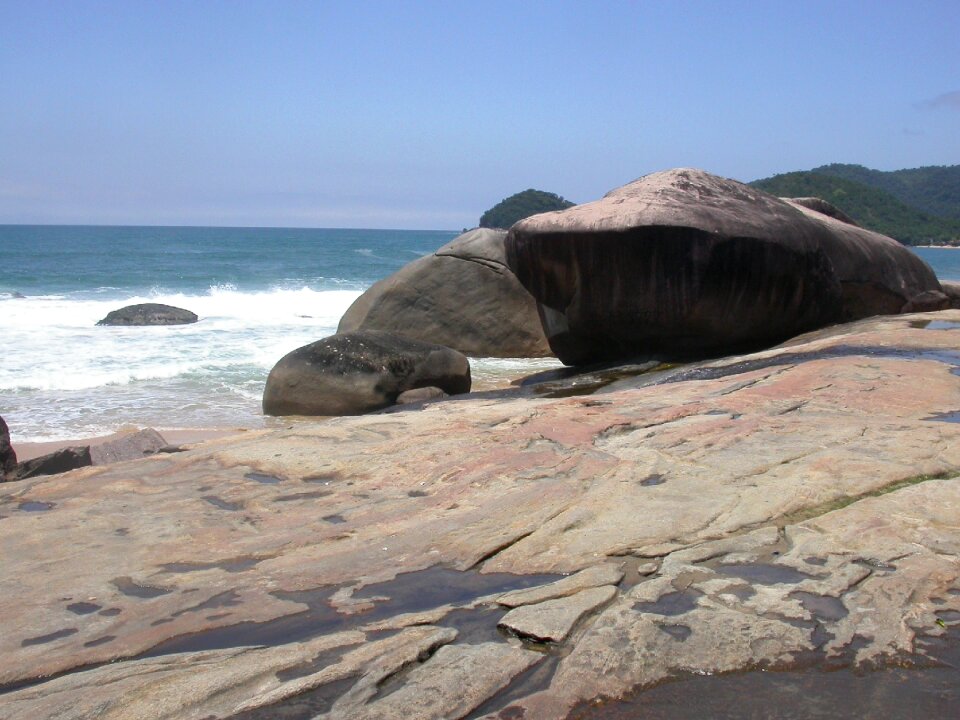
[684, 264]
[59, 461]
[8, 457]
[463, 296]
[355, 373]
[149, 314]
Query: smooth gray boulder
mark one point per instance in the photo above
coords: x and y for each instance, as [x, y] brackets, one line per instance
[355, 373]
[8, 457]
[463, 296]
[952, 291]
[149, 314]
[823, 207]
[682, 264]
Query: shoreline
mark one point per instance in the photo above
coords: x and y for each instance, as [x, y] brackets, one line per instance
[178, 436]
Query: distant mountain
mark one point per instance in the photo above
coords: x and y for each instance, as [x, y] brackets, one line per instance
[934, 189]
[522, 205]
[873, 208]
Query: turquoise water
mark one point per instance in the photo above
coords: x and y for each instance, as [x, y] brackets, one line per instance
[260, 293]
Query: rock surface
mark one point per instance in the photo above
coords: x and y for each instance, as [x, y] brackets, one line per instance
[552, 620]
[800, 508]
[463, 296]
[149, 314]
[131, 446]
[824, 207]
[8, 456]
[682, 264]
[355, 373]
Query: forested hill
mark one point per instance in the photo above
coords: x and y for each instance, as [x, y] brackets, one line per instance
[522, 205]
[934, 189]
[872, 207]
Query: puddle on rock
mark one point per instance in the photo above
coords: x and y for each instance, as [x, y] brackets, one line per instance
[655, 479]
[100, 641]
[128, 587]
[83, 608]
[762, 573]
[950, 417]
[303, 495]
[822, 607]
[35, 506]
[334, 519]
[677, 632]
[43, 639]
[678, 602]
[407, 593]
[222, 504]
[916, 687]
[263, 478]
[935, 324]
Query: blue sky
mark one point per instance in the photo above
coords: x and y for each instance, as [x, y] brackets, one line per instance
[424, 114]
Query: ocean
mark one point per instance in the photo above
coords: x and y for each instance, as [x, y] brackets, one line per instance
[259, 292]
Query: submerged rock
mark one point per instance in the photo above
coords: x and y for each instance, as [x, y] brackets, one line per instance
[8, 457]
[682, 264]
[463, 296]
[149, 314]
[355, 373]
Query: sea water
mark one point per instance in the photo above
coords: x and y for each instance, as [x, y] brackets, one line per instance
[259, 293]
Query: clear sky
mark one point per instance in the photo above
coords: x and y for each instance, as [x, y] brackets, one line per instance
[424, 114]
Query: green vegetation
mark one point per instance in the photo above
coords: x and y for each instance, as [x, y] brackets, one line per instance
[522, 205]
[935, 189]
[871, 207]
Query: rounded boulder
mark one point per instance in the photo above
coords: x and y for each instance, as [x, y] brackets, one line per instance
[683, 264]
[149, 314]
[356, 373]
[463, 296]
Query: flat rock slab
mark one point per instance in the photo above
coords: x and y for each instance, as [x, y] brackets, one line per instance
[800, 503]
[552, 620]
[590, 577]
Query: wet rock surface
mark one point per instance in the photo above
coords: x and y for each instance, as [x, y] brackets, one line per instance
[684, 264]
[8, 456]
[355, 373]
[149, 314]
[791, 511]
[463, 296]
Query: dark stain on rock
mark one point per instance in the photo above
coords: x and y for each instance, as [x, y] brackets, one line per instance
[110, 612]
[671, 603]
[815, 561]
[677, 632]
[42, 639]
[83, 608]
[950, 616]
[230, 565]
[218, 616]
[417, 493]
[334, 519]
[263, 478]
[100, 641]
[303, 496]
[822, 607]
[128, 587]
[655, 479]
[34, 506]
[122, 532]
[161, 621]
[763, 573]
[222, 504]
